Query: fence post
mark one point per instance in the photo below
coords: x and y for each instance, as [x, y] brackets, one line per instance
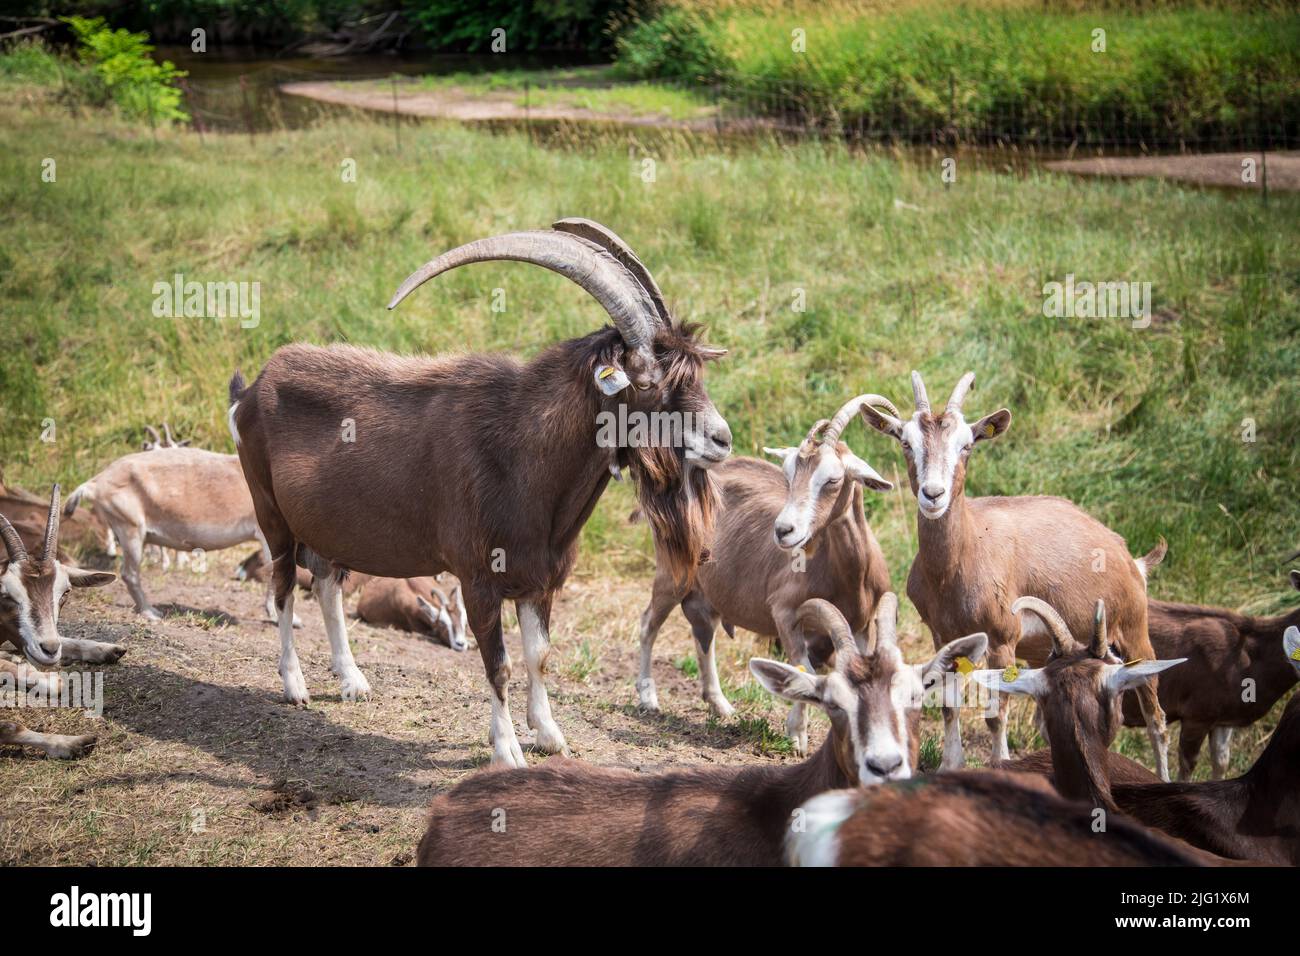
[397, 117]
[1262, 134]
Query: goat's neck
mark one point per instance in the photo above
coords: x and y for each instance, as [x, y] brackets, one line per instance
[1079, 769]
[1274, 675]
[942, 542]
[790, 787]
[845, 531]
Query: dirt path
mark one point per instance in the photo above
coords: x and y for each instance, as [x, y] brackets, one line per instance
[1207, 169]
[475, 106]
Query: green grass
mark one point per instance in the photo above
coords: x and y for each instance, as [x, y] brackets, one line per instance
[688, 666]
[1140, 427]
[1173, 70]
[583, 662]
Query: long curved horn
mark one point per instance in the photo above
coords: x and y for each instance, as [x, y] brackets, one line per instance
[153, 433]
[918, 393]
[610, 241]
[851, 408]
[582, 261]
[822, 617]
[1100, 646]
[958, 395]
[167, 430]
[50, 549]
[14, 546]
[1062, 641]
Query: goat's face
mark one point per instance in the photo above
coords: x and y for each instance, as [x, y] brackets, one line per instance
[820, 475]
[31, 593]
[937, 447]
[444, 619]
[873, 702]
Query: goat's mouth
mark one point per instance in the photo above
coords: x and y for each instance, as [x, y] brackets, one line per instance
[706, 461]
[791, 542]
[930, 509]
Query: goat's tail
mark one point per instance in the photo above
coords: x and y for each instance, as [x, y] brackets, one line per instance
[74, 499]
[237, 386]
[1153, 557]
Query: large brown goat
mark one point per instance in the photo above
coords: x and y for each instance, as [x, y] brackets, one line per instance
[782, 536]
[479, 464]
[976, 555]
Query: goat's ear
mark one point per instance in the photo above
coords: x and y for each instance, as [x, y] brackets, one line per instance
[1295, 580]
[789, 682]
[882, 422]
[784, 453]
[859, 470]
[1291, 645]
[1014, 680]
[427, 607]
[991, 426]
[972, 647]
[455, 594]
[80, 578]
[611, 379]
[1122, 677]
[710, 353]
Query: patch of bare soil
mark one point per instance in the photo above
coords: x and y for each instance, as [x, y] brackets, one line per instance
[473, 105]
[1207, 169]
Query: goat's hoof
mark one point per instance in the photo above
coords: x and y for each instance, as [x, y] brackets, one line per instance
[799, 744]
[114, 653]
[721, 709]
[295, 691]
[355, 686]
[149, 614]
[70, 748]
[551, 740]
[297, 621]
[509, 756]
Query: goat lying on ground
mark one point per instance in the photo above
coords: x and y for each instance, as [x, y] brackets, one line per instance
[974, 553]
[975, 818]
[781, 536]
[1235, 673]
[499, 478]
[1252, 817]
[32, 589]
[402, 603]
[568, 813]
[182, 498]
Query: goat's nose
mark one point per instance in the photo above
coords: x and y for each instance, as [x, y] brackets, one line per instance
[722, 437]
[933, 490]
[884, 765]
[783, 528]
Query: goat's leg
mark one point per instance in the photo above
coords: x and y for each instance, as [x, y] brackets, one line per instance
[704, 625]
[110, 543]
[271, 613]
[329, 595]
[284, 576]
[1220, 751]
[131, 541]
[1190, 737]
[796, 652]
[91, 652]
[954, 756]
[1000, 656]
[23, 678]
[534, 622]
[486, 626]
[663, 598]
[58, 746]
[1157, 731]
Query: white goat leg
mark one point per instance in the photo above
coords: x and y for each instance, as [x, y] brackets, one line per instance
[295, 688]
[330, 597]
[537, 645]
[1220, 751]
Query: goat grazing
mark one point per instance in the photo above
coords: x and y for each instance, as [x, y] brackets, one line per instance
[503, 471]
[32, 590]
[975, 553]
[766, 514]
[569, 813]
[417, 605]
[1253, 817]
[182, 498]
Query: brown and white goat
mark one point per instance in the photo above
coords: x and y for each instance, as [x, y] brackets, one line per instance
[1253, 817]
[975, 555]
[418, 605]
[480, 465]
[781, 536]
[32, 590]
[182, 498]
[1235, 673]
[569, 813]
[973, 818]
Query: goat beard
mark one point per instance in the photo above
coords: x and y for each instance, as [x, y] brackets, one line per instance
[679, 500]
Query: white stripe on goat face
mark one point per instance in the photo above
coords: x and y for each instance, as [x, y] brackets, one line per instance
[878, 717]
[936, 446]
[800, 511]
[37, 624]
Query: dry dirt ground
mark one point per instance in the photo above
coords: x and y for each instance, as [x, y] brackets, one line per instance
[1208, 169]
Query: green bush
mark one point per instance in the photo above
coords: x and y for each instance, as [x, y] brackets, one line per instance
[674, 44]
[121, 71]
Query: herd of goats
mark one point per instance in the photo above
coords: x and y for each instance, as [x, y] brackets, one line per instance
[364, 469]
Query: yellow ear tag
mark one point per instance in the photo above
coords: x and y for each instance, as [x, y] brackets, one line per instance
[1295, 655]
[989, 430]
[607, 371]
[801, 668]
[1136, 660]
[964, 666]
[1011, 673]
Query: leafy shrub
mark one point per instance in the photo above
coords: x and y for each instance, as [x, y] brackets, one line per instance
[673, 44]
[121, 71]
